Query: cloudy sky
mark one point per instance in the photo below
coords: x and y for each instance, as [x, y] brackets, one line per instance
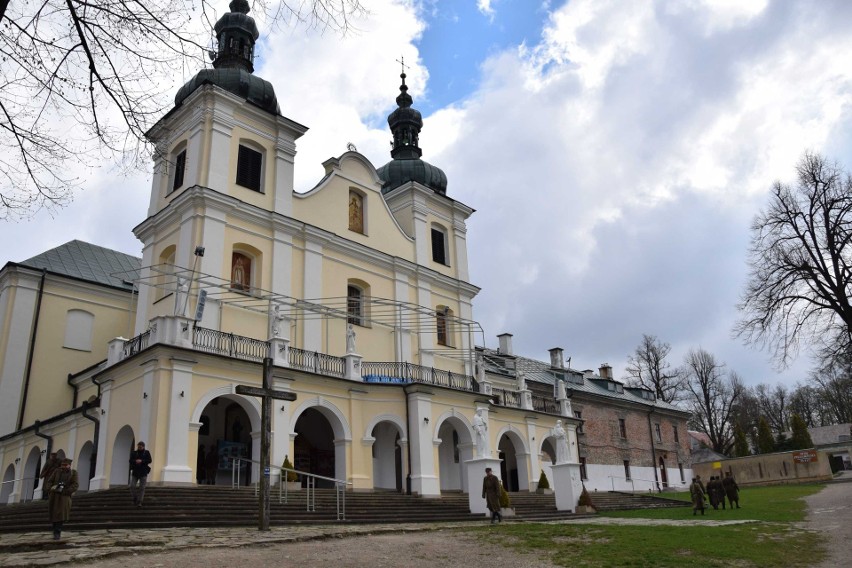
[616, 152]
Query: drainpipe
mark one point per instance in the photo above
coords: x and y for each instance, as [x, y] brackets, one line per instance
[31, 354]
[653, 451]
[73, 386]
[47, 451]
[97, 422]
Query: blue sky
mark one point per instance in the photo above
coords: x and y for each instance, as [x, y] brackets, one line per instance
[615, 153]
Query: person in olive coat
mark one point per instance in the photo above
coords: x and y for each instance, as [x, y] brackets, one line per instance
[696, 491]
[491, 494]
[51, 465]
[61, 484]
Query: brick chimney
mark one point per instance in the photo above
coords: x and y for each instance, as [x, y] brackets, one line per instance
[505, 343]
[605, 371]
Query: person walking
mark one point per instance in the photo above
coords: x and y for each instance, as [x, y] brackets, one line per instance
[212, 465]
[51, 465]
[696, 491]
[140, 467]
[715, 492]
[731, 489]
[491, 494]
[61, 484]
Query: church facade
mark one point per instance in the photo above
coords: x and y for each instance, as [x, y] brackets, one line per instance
[358, 290]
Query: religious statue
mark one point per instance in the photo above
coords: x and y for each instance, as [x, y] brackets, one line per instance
[180, 296]
[277, 319]
[563, 454]
[350, 339]
[356, 213]
[520, 381]
[480, 430]
[238, 275]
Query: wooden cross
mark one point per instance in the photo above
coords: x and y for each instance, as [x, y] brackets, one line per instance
[266, 394]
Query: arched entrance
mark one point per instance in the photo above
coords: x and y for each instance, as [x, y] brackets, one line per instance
[387, 456]
[455, 449]
[119, 471]
[32, 468]
[548, 458]
[227, 424]
[513, 467]
[85, 466]
[8, 484]
[314, 448]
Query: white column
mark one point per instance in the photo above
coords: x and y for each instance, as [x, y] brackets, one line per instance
[402, 345]
[218, 176]
[100, 480]
[145, 296]
[176, 469]
[312, 327]
[282, 265]
[424, 482]
[285, 151]
[427, 324]
[14, 363]
[460, 234]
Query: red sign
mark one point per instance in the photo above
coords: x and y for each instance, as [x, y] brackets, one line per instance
[805, 456]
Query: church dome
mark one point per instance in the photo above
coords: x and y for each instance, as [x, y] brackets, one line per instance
[405, 123]
[236, 34]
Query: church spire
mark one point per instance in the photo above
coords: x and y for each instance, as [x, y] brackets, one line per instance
[236, 34]
[405, 124]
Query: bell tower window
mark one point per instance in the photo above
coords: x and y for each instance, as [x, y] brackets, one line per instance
[249, 168]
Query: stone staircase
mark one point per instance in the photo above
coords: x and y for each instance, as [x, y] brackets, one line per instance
[224, 506]
[618, 501]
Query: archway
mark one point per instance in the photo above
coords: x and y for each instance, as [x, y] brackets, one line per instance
[455, 449]
[387, 456]
[314, 447]
[8, 485]
[513, 468]
[119, 471]
[547, 455]
[227, 424]
[85, 466]
[32, 467]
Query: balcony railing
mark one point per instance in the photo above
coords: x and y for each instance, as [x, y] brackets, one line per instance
[237, 346]
[544, 404]
[316, 362]
[137, 344]
[399, 372]
[504, 397]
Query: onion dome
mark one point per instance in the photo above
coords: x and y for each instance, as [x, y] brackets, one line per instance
[233, 67]
[405, 124]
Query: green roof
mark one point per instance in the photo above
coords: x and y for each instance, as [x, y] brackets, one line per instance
[85, 261]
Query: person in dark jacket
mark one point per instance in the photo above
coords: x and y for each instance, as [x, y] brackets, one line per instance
[61, 484]
[140, 467]
[491, 494]
[732, 490]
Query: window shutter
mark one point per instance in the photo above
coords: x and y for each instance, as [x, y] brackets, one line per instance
[438, 247]
[249, 164]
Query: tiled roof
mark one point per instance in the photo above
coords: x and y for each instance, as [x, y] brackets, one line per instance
[541, 372]
[89, 262]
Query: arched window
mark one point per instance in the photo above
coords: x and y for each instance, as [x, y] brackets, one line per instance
[440, 245]
[356, 212]
[443, 316]
[166, 270]
[78, 330]
[357, 305]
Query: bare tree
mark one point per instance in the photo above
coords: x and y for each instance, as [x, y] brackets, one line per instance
[833, 382]
[648, 368]
[800, 264]
[715, 395]
[774, 405]
[81, 82]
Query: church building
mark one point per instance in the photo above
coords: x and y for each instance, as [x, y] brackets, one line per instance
[359, 292]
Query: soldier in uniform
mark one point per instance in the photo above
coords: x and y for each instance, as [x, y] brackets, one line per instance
[62, 484]
[732, 489]
[696, 491]
[491, 494]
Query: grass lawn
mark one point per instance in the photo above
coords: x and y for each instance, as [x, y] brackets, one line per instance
[772, 541]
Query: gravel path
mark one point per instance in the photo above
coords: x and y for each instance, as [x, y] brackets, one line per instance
[830, 512]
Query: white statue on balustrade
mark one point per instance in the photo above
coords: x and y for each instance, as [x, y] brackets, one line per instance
[350, 339]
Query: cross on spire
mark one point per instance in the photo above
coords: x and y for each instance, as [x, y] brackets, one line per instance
[401, 61]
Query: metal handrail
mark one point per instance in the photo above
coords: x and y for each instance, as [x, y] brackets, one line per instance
[310, 493]
[31, 487]
[656, 482]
